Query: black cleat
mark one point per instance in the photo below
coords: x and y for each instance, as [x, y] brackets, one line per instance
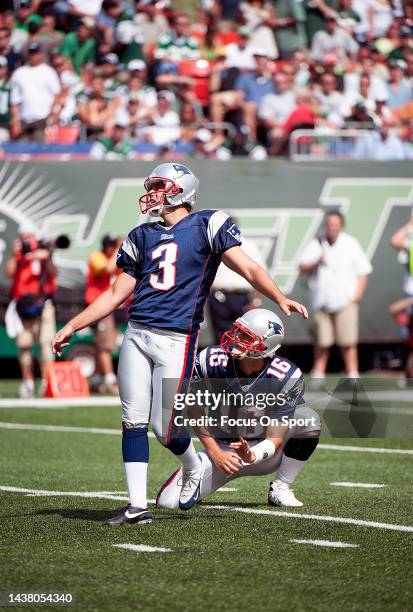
[130, 515]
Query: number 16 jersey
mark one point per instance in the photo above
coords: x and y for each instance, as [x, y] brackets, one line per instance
[175, 267]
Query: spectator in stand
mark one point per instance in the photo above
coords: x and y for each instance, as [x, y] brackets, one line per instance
[164, 130]
[177, 45]
[240, 54]
[101, 274]
[253, 86]
[138, 86]
[138, 116]
[381, 145]
[362, 96]
[399, 90]
[330, 100]
[289, 27]
[5, 100]
[391, 41]
[18, 34]
[229, 14]
[338, 271]
[96, 110]
[34, 90]
[359, 117]
[152, 23]
[316, 13]
[128, 40]
[348, 18]
[33, 275]
[275, 108]
[366, 65]
[377, 16]
[13, 58]
[78, 8]
[49, 42]
[406, 46]
[114, 147]
[259, 18]
[80, 46]
[64, 111]
[336, 41]
[109, 70]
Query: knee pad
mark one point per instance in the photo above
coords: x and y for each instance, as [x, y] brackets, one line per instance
[301, 448]
[135, 445]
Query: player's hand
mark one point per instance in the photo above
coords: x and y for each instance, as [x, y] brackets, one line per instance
[226, 461]
[62, 338]
[289, 306]
[243, 450]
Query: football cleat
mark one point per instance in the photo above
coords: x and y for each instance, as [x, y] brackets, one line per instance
[130, 515]
[280, 494]
[191, 487]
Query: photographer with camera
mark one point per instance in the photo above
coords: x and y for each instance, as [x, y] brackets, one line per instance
[33, 275]
[101, 272]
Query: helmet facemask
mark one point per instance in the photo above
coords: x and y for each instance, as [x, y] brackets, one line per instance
[241, 342]
[158, 190]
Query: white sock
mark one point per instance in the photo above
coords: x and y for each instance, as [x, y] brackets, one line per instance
[189, 459]
[289, 469]
[136, 476]
[29, 383]
[353, 374]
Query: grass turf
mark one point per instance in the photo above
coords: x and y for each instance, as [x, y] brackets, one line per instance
[220, 559]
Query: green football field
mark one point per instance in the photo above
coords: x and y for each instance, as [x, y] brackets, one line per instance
[61, 475]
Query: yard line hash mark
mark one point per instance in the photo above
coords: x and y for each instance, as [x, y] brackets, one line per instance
[142, 548]
[327, 543]
[358, 485]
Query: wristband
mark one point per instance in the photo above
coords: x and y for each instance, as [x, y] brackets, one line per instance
[263, 450]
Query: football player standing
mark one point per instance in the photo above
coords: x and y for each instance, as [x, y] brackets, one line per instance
[169, 266]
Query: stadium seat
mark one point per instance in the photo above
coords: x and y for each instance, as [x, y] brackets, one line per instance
[62, 134]
[199, 70]
[227, 38]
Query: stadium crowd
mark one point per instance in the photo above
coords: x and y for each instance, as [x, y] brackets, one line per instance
[237, 79]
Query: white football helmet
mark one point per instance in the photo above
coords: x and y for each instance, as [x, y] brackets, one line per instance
[257, 333]
[168, 185]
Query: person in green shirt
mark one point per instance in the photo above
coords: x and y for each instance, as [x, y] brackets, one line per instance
[290, 27]
[114, 147]
[80, 46]
[316, 11]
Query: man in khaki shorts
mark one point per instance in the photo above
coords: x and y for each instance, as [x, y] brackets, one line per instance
[338, 270]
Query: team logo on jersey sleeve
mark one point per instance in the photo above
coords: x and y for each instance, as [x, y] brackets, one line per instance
[234, 231]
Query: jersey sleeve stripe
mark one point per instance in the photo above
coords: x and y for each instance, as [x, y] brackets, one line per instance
[130, 249]
[216, 221]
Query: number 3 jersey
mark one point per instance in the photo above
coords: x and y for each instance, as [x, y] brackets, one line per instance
[246, 404]
[174, 268]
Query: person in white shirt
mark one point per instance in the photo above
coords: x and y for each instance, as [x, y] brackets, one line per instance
[34, 90]
[338, 270]
[165, 128]
[231, 295]
[333, 40]
[276, 108]
[330, 100]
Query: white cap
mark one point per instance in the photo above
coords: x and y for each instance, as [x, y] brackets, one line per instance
[136, 64]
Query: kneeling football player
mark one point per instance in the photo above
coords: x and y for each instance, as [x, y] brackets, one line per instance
[251, 440]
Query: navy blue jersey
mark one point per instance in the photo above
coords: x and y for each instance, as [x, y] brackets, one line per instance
[174, 268]
[280, 379]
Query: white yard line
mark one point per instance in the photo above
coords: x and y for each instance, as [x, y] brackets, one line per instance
[46, 402]
[142, 548]
[327, 543]
[226, 490]
[275, 514]
[365, 449]
[114, 432]
[315, 517]
[358, 485]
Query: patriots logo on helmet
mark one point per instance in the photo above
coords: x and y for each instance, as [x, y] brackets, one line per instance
[276, 327]
[181, 170]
